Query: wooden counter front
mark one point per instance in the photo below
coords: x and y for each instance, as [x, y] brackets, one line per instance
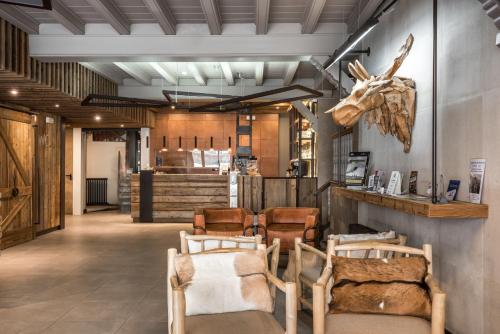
[176, 196]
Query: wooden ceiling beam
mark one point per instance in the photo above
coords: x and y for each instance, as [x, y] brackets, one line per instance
[161, 11]
[212, 15]
[197, 75]
[111, 14]
[259, 73]
[290, 73]
[312, 15]
[161, 70]
[19, 19]
[262, 16]
[228, 73]
[67, 18]
[136, 73]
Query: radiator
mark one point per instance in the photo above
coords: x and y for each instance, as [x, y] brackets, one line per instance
[97, 191]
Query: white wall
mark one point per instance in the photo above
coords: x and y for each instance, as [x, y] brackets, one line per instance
[102, 162]
[466, 252]
[78, 172]
[145, 149]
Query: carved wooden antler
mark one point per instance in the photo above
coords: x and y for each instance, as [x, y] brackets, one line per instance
[386, 100]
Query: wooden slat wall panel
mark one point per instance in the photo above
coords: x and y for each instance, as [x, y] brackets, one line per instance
[282, 192]
[67, 84]
[49, 144]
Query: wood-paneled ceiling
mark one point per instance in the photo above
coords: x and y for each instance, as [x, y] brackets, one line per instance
[191, 11]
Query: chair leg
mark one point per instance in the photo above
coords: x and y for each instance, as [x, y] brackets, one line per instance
[318, 309]
[298, 270]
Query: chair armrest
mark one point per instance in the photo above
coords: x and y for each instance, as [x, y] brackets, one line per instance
[438, 298]
[247, 222]
[199, 224]
[311, 221]
[198, 228]
[291, 301]
[266, 217]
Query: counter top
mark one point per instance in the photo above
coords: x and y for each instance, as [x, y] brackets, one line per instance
[425, 208]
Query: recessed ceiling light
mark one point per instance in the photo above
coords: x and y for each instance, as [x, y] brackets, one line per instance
[184, 73]
[172, 106]
[57, 106]
[121, 125]
[14, 92]
[277, 107]
[97, 118]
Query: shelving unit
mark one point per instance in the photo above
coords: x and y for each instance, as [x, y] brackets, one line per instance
[424, 208]
[303, 139]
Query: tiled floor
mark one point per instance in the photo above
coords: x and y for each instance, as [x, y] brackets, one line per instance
[102, 274]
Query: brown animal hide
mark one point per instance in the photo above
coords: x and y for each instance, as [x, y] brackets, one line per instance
[385, 100]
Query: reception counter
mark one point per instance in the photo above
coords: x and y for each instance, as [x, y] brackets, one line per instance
[173, 198]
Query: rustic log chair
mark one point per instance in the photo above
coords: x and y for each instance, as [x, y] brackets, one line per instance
[243, 321]
[287, 224]
[223, 221]
[191, 244]
[308, 275]
[200, 243]
[323, 322]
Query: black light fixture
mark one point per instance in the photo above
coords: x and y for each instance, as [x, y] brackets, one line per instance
[355, 38]
[211, 143]
[351, 42]
[229, 144]
[195, 143]
[41, 4]
[164, 148]
[180, 144]
[147, 141]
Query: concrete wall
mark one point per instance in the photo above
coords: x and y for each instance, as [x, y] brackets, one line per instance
[465, 251]
[102, 161]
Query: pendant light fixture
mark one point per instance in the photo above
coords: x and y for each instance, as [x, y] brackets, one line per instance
[164, 148]
[229, 145]
[180, 144]
[195, 144]
[211, 143]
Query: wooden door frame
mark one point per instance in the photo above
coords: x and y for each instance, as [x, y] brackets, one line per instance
[62, 175]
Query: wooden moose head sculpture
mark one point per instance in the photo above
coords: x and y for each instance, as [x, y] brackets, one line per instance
[385, 100]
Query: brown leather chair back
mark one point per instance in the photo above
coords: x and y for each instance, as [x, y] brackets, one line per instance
[225, 216]
[292, 215]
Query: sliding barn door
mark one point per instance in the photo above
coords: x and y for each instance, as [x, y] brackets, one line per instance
[16, 177]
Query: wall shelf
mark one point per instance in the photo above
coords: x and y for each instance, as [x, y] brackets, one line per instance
[423, 208]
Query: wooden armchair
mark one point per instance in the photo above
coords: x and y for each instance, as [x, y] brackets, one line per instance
[191, 244]
[351, 323]
[223, 221]
[246, 321]
[287, 224]
[309, 262]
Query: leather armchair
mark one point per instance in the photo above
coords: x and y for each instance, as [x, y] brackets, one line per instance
[223, 221]
[288, 224]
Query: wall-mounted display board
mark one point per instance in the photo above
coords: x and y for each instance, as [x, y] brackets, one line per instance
[423, 208]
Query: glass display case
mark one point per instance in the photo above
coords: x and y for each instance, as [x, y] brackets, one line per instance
[303, 139]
